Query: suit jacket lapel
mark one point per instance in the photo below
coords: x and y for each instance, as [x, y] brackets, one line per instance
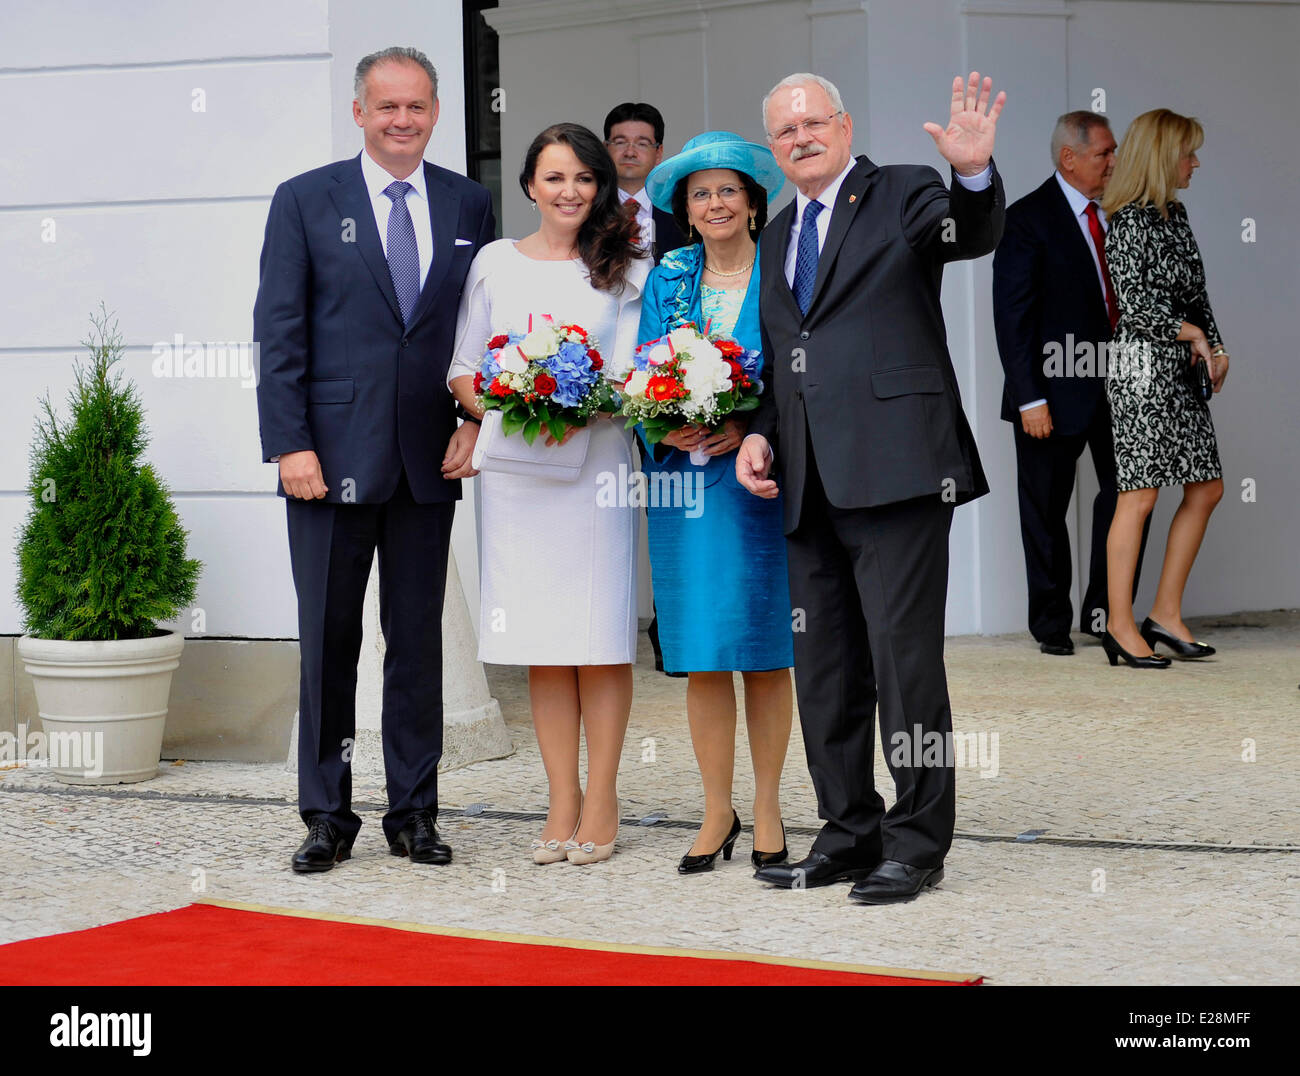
[847, 202]
[1068, 223]
[444, 212]
[773, 254]
[353, 201]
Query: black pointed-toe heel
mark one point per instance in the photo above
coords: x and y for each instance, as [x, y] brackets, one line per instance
[695, 864]
[1153, 633]
[1114, 652]
[766, 859]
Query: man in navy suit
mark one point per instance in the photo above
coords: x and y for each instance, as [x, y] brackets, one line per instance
[362, 268]
[1054, 309]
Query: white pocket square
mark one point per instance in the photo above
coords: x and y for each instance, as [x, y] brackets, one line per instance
[464, 242]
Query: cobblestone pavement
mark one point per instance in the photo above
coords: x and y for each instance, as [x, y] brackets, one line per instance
[1080, 857]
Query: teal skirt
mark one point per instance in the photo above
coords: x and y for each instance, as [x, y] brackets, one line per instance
[717, 558]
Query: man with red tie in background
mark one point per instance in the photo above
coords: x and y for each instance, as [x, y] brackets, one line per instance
[1052, 290]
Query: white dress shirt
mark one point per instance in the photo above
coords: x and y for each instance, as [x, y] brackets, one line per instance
[1079, 206]
[645, 218]
[417, 204]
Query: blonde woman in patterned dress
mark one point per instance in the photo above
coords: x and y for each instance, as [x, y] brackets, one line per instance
[1164, 435]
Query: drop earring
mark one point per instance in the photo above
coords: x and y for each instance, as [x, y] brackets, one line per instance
[752, 229]
[690, 233]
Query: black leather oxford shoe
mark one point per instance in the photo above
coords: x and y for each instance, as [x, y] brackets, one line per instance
[323, 847]
[808, 873]
[895, 883]
[1061, 645]
[419, 840]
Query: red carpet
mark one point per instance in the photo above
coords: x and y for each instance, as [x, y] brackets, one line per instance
[230, 944]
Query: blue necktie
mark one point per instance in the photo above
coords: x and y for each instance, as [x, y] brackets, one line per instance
[805, 263]
[403, 256]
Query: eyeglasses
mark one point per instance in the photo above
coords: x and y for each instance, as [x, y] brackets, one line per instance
[642, 145]
[703, 196]
[817, 126]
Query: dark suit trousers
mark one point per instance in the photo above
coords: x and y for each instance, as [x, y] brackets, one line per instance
[331, 547]
[872, 584]
[1045, 474]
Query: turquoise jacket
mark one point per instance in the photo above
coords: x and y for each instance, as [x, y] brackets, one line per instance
[672, 297]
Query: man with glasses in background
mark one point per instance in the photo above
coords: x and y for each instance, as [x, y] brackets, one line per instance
[634, 136]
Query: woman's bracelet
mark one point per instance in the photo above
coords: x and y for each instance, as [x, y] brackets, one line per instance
[1220, 350]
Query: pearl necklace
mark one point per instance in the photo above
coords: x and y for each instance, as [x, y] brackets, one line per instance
[743, 269]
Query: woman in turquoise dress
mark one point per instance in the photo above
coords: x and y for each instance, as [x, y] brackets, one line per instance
[717, 554]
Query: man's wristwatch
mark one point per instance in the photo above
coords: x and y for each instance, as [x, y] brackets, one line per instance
[462, 413]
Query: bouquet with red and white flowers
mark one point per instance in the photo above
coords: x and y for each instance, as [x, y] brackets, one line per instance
[689, 377]
[552, 376]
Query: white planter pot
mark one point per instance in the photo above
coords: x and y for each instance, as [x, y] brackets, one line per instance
[103, 704]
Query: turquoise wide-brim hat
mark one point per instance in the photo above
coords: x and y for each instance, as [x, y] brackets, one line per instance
[714, 149]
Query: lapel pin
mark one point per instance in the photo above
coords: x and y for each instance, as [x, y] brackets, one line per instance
[852, 198]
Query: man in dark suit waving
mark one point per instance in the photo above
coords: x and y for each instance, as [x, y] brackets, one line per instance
[862, 420]
[361, 273]
[1054, 309]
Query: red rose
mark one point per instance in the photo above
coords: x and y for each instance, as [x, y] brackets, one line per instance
[478, 382]
[544, 383]
[498, 389]
[497, 341]
[737, 374]
[661, 388]
[596, 361]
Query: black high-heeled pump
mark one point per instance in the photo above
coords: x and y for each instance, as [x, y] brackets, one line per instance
[765, 859]
[1153, 633]
[1114, 652]
[695, 864]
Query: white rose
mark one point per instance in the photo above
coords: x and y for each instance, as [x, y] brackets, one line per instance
[637, 385]
[511, 361]
[539, 343]
[707, 353]
[706, 377]
[659, 354]
[683, 338]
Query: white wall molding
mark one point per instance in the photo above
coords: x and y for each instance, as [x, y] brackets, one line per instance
[542, 16]
[1017, 8]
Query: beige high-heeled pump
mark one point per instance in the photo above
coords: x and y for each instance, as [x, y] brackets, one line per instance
[589, 851]
[555, 850]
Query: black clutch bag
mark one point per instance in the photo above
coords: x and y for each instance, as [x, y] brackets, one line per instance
[1199, 375]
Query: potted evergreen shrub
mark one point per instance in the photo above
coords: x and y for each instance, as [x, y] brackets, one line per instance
[101, 559]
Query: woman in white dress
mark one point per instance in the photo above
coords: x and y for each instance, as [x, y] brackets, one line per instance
[558, 560]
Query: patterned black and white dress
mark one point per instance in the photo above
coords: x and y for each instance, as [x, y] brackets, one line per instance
[1163, 433]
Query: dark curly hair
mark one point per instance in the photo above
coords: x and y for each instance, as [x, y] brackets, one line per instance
[757, 202]
[607, 239]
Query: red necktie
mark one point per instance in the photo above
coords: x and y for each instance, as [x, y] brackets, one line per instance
[1099, 244]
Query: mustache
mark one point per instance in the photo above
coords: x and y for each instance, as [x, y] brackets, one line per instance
[800, 152]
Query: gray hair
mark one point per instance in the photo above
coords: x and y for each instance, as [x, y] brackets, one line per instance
[805, 78]
[1074, 129]
[396, 54]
